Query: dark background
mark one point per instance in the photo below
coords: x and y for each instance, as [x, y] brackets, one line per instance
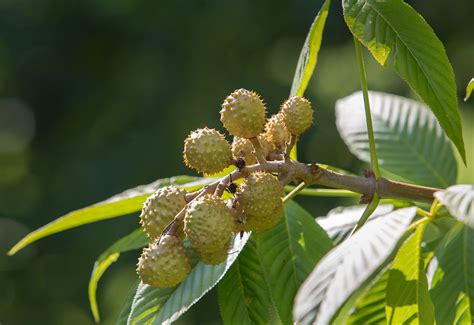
[97, 97]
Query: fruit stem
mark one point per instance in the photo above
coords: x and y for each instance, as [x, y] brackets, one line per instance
[289, 146]
[258, 150]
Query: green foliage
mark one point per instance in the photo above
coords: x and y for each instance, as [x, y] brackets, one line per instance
[408, 299]
[469, 88]
[288, 253]
[309, 53]
[118, 205]
[135, 240]
[163, 306]
[244, 294]
[459, 200]
[452, 289]
[410, 143]
[399, 37]
[339, 269]
[349, 266]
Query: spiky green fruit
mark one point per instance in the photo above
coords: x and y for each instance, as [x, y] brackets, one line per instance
[243, 148]
[260, 197]
[265, 222]
[207, 151]
[160, 209]
[276, 132]
[243, 114]
[208, 224]
[297, 114]
[217, 257]
[164, 263]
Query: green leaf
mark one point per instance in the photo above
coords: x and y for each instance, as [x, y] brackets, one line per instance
[399, 37]
[288, 252]
[135, 240]
[121, 204]
[410, 143]
[469, 88]
[127, 306]
[459, 200]
[370, 308]
[164, 306]
[309, 53]
[408, 299]
[350, 266]
[339, 222]
[244, 295]
[452, 289]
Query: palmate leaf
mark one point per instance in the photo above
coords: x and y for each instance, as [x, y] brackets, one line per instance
[163, 306]
[288, 253]
[121, 204]
[135, 240]
[244, 295]
[408, 299]
[349, 266]
[452, 289]
[459, 200]
[410, 143]
[399, 37]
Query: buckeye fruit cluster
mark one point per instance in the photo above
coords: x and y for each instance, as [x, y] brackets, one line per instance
[204, 219]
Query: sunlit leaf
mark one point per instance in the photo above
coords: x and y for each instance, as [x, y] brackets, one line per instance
[399, 37]
[118, 205]
[452, 289]
[459, 200]
[349, 266]
[339, 222]
[244, 295]
[135, 240]
[469, 88]
[309, 53]
[164, 306]
[408, 299]
[410, 144]
[288, 253]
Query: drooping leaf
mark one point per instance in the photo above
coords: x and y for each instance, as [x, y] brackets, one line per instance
[349, 266]
[399, 37]
[452, 289]
[469, 89]
[408, 299]
[309, 53]
[164, 306]
[339, 222]
[410, 143]
[244, 295]
[136, 239]
[288, 253]
[121, 204]
[459, 200]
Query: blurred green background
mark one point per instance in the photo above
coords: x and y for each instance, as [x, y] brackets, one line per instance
[97, 97]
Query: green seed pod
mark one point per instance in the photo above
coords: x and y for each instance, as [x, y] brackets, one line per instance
[243, 148]
[160, 209]
[208, 224]
[164, 263]
[297, 114]
[260, 198]
[276, 132]
[207, 151]
[243, 114]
